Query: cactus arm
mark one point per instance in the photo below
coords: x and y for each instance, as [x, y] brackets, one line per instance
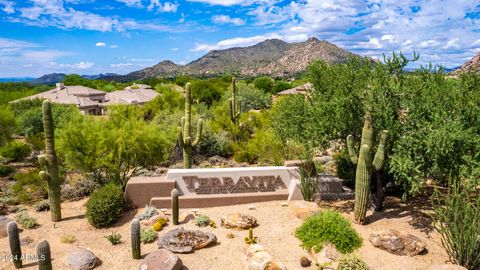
[199, 133]
[14, 241]
[180, 137]
[175, 206]
[379, 159]
[362, 184]
[44, 255]
[351, 150]
[135, 238]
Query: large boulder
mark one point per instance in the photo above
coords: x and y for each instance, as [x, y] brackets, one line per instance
[238, 221]
[303, 210]
[256, 258]
[80, 259]
[186, 241]
[3, 226]
[397, 243]
[161, 259]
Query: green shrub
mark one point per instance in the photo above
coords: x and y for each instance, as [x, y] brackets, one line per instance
[105, 206]
[345, 169]
[202, 220]
[37, 141]
[328, 227]
[148, 212]
[6, 170]
[24, 219]
[7, 125]
[308, 180]
[351, 262]
[457, 218]
[252, 98]
[43, 205]
[147, 235]
[215, 144]
[15, 151]
[114, 238]
[79, 189]
[264, 83]
[27, 187]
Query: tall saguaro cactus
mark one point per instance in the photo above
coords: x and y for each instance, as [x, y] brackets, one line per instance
[365, 165]
[49, 161]
[235, 105]
[185, 130]
[44, 255]
[14, 241]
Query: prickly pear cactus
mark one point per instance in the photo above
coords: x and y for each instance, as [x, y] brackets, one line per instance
[49, 161]
[365, 165]
[43, 255]
[14, 240]
[185, 131]
[234, 105]
[135, 238]
[175, 206]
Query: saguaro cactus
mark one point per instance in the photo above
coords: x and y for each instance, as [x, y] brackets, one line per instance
[14, 241]
[235, 105]
[43, 255]
[185, 130]
[49, 161]
[175, 206]
[135, 238]
[365, 165]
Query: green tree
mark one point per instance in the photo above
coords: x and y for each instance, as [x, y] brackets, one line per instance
[7, 124]
[264, 83]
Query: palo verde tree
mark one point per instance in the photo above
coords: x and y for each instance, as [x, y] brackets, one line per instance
[49, 161]
[185, 130]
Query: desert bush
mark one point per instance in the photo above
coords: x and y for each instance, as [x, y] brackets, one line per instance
[116, 148]
[36, 142]
[351, 262]
[25, 220]
[27, 187]
[308, 180]
[345, 169]
[79, 189]
[43, 205]
[328, 227]
[6, 170]
[205, 91]
[147, 235]
[252, 98]
[264, 83]
[15, 151]
[264, 148]
[105, 206]
[7, 124]
[114, 238]
[148, 212]
[214, 144]
[457, 218]
[68, 239]
[202, 220]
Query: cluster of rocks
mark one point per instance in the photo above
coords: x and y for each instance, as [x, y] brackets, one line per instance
[397, 243]
[331, 188]
[152, 172]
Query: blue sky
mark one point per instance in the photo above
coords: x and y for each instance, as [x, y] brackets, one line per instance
[91, 37]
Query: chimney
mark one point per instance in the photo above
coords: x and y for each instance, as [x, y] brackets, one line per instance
[60, 86]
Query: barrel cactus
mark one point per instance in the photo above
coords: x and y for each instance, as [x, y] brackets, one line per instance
[365, 165]
[175, 206]
[235, 105]
[49, 161]
[185, 130]
[43, 255]
[135, 238]
[14, 241]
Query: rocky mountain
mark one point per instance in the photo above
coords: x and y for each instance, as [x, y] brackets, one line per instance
[49, 78]
[272, 57]
[472, 65]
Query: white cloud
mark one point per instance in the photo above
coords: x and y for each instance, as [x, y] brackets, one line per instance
[100, 44]
[222, 19]
[67, 67]
[231, 2]
[114, 46]
[121, 65]
[132, 3]
[166, 7]
[83, 65]
[7, 6]
[174, 49]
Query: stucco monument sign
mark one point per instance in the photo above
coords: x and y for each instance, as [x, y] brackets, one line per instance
[216, 187]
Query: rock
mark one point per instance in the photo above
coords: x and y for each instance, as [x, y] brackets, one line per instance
[80, 259]
[3, 226]
[238, 221]
[397, 243]
[305, 262]
[327, 254]
[186, 241]
[256, 258]
[446, 267]
[304, 210]
[161, 259]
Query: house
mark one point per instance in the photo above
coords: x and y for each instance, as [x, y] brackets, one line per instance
[93, 101]
[304, 89]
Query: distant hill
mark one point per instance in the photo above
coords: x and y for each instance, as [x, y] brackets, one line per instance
[472, 65]
[271, 57]
[16, 79]
[58, 77]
